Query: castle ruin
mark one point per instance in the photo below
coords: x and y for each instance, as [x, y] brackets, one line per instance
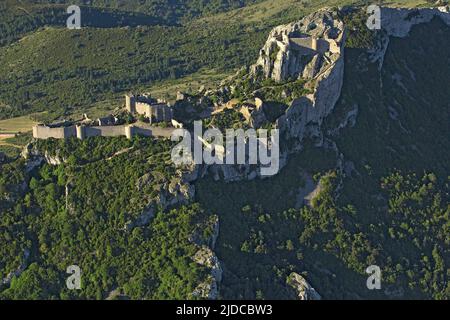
[154, 110]
[301, 50]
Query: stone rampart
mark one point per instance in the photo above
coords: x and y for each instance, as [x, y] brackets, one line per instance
[82, 132]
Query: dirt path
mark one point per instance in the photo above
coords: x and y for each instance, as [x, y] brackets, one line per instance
[119, 153]
[229, 105]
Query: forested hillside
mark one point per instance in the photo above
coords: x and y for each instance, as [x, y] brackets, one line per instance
[22, 16]
[58, 70]
[63, 69]
[84, 212]
[170, 11]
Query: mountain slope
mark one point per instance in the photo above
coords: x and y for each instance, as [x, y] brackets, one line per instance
[376, 192]
[76, 69]
[393, 209]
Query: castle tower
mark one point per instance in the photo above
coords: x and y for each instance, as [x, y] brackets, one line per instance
[129, 131]
[130, 103]
[314, 43]
[80, 132]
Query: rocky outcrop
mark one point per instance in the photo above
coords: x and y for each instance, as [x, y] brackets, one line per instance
[177, 191]
[257, 116]
[310, 49]
[36, 157]
[303, 48]
[313, 49]
[313, 108]
[209, 288]
[189, 107]
[302, 287]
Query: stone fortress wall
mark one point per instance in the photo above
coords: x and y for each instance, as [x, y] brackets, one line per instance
[82, 132]
[45, 132]
[156, 111]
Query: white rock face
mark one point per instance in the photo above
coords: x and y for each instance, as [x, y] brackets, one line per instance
[327, 91]
[398, 22]
[302, 287]
[326, 66]
[35, 157]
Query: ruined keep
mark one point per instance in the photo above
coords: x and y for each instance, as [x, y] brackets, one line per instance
[155, 110]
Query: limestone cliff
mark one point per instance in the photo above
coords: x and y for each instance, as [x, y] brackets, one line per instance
[312, 50]
[325, 70]
[397, 22]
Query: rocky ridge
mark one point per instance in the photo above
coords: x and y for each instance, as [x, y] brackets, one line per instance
[209, 288]
[397, 22]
